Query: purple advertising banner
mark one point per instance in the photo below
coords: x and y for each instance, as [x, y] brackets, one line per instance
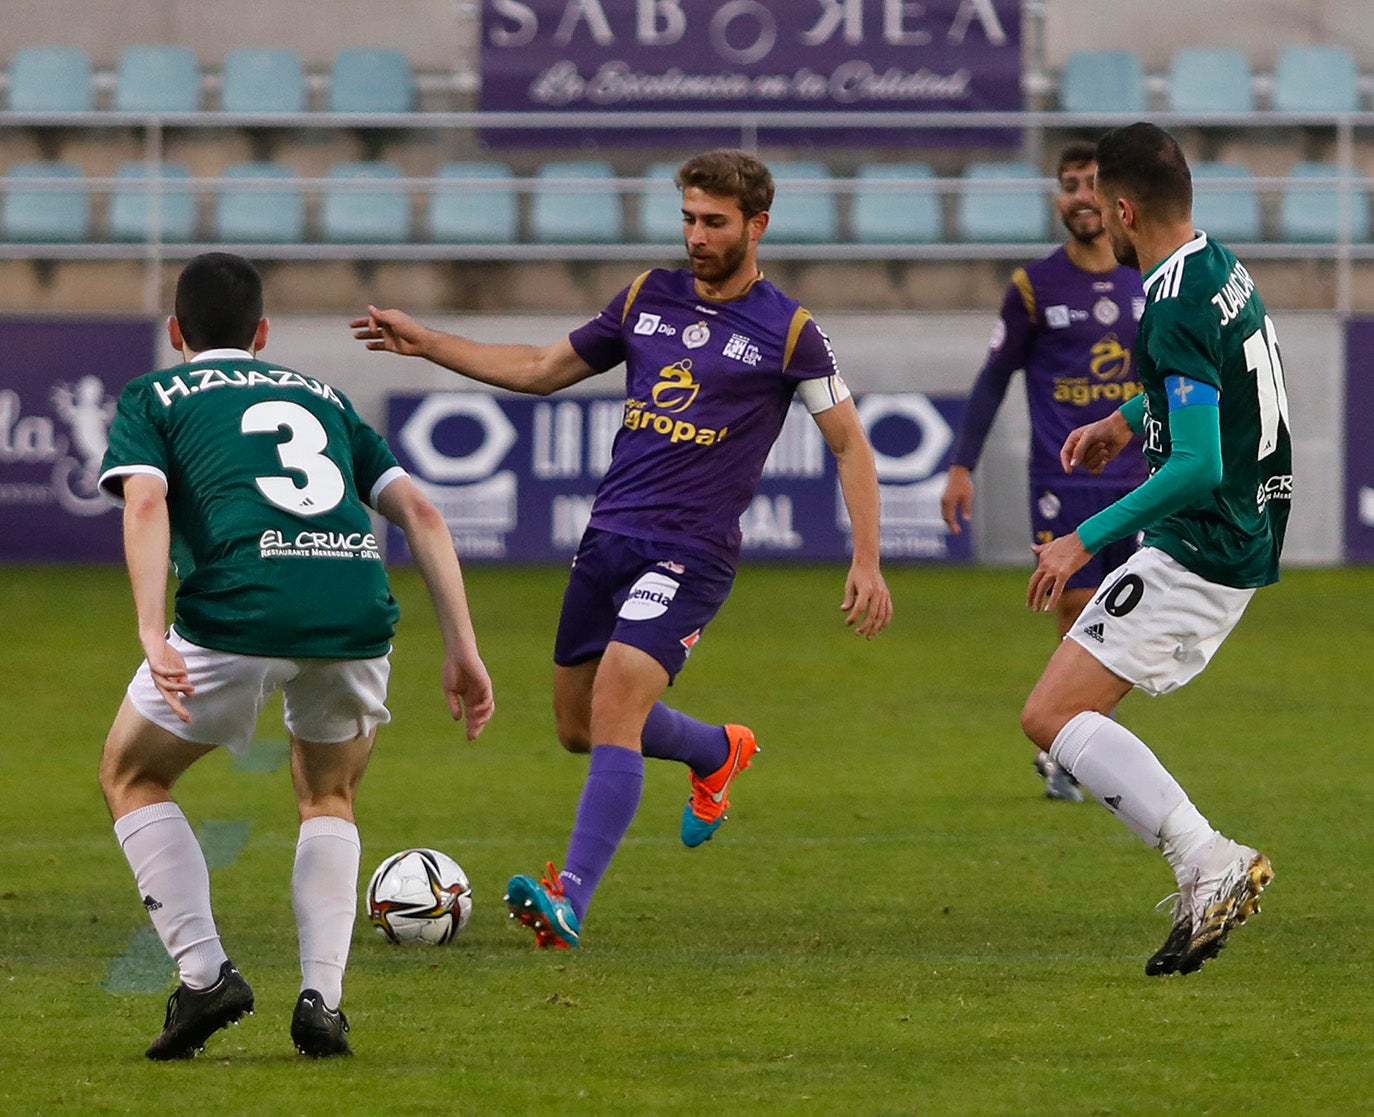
[514, 477]
[1359, 448]
[745, 56]
[59, 381]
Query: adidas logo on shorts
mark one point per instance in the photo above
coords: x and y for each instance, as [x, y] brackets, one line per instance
[1094, 632]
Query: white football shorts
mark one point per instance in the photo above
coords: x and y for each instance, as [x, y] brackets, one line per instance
[1155, 623]
[327, 701]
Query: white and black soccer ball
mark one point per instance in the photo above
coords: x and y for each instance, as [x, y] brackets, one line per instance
[419, 896]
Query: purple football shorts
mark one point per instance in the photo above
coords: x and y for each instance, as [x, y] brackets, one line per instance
[657, 597]
[1058, 510]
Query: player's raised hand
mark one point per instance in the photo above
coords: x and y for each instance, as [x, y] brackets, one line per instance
[867, 603]
[956, 502]
[394, 331]
[467, 687]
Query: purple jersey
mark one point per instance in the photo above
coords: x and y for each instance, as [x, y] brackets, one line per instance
[1072, 331]
[707, 387]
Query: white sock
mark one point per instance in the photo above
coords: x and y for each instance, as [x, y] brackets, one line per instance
[1183, 834]
[1122, 774]
[174, 884]
[324, 894]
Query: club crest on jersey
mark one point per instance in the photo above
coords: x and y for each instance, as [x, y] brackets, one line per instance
[696, 335]
[1048, 505]
[1106, 311]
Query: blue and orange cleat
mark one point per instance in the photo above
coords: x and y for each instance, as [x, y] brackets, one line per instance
[705, 810]
[540, 906]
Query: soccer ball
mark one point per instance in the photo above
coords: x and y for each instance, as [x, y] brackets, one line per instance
[419, 895]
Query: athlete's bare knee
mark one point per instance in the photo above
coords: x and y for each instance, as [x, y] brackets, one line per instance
[1041, 721]
[575, 740]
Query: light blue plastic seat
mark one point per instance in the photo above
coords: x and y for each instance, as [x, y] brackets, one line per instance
[1315, 79]
[263, 80]
[896, 216]
[1016, 212]
[51, 79]
[592, 213]
[131, 207]
[161, 78]
[1103, 81]
[660, 205]
[377, 215]
[1226, 205]
[371, 79]
[802, 214]
[1210, 79]
[473, 214]
[245, 215]
[36, 212]
[1310, 212]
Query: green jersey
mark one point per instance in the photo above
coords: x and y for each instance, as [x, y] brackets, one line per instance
[266, 472]
[1205, 321]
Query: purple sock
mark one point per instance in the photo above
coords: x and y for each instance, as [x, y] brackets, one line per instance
[670, 735]
[609, 800]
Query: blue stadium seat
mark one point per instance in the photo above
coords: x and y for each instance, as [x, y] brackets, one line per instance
[474, 214]
[248, 215]
[131, 207]
[591, 213]
[159, 78]
[1312, 213]
[1013, 213]
[896, 216]
[1315, 79]
[802, 214]
[379, 214]
[371, 79]
[263, 80]
[1228, 213]
[51, 79]
[1103, 81]
[660, 205]
[1210, 79]
[44, 213]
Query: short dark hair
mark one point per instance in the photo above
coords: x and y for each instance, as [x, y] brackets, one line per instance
[218, 302]
[729, 173]
[1144, 162]
[1075, 155]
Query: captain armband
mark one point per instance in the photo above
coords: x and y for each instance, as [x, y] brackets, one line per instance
[823, 392]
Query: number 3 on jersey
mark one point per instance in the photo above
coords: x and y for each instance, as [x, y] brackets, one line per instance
[1262, 358]
[301, 452]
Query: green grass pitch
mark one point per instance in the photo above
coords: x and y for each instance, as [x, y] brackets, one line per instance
[893, 921]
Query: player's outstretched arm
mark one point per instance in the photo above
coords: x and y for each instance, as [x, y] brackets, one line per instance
[537, 370]
[147, 536]
[867, 602]
[467, 686]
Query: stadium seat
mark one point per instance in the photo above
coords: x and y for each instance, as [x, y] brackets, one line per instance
[1230, 214]
[379, 214]
[802, 214]
[660, 205]
[51, 79]
[158, 79]
[1210, 79]
[592, 213]
[131, 207]
[1311, 212]
[1315, 79]
[884, 215]
[248, 215]
[1103, 81]
[371, 79]
[1013, 213]
[474, 214]
[263, 80]
[39, 213]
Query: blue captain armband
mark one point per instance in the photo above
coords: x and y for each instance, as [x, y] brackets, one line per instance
[1186, 392]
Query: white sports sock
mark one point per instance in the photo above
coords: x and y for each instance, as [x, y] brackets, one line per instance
[1183, 834]
[169, 868]
[324, 894]
[1122, 774]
